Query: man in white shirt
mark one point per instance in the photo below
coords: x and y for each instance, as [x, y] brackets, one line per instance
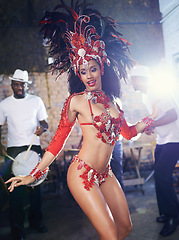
[167, 149]
[26, 116]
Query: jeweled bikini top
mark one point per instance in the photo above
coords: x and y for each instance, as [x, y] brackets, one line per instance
[108, 127]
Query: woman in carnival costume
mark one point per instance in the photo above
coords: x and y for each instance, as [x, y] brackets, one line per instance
[88, 47]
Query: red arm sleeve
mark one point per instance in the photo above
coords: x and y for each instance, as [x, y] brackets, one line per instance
[64, 129]
[127, 132]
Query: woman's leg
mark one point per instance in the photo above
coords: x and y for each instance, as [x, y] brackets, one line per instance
[93, 204]
[117, 203]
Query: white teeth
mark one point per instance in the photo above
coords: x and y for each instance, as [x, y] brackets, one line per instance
[89, 82]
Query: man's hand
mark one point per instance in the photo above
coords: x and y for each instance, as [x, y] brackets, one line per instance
[2, 150]
[39, 131]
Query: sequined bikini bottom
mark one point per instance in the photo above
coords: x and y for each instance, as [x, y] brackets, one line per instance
[90, 175]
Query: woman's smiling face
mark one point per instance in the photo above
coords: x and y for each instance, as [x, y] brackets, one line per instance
[91, 75]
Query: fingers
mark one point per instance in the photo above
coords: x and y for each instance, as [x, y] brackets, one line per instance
[149, 131]
[10, 180]
[11, 187]
[38, 131]
[15, 182]
[18, 181]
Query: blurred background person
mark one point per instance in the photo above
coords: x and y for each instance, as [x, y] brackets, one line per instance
[167, 149]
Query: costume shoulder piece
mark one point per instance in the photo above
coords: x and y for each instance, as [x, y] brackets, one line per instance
[64, 129]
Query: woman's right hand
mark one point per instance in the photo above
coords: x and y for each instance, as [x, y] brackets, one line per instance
[18, 181]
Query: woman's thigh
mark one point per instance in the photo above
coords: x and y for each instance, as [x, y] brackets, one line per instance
[92, 203]
[116, 200]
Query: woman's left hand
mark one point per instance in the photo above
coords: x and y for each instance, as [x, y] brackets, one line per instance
[18, 181]
[149, 130]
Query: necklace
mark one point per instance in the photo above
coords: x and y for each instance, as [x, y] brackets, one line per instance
[98, 96]
[105, 124]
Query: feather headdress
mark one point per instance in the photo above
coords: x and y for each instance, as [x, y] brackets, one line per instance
[78, 34]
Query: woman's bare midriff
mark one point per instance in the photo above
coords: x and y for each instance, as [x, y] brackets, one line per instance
[94, 152]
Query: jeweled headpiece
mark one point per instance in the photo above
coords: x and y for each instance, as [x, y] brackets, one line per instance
[81, 34]
[84, 44]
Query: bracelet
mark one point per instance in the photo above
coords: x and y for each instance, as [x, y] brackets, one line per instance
[37, 173]
[148, 121]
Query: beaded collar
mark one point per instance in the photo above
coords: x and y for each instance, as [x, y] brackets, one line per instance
[98, 96]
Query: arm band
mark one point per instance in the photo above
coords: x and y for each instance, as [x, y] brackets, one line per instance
[148, 121]
[37, 173]
[128, 132]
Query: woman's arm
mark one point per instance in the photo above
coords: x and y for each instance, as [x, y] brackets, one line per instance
[68, 119]
[25, 180]
[61, 135]
[129, 132]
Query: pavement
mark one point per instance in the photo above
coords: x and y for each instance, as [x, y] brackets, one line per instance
[66, 221]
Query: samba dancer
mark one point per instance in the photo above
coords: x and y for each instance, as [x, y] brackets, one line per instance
[88, 47]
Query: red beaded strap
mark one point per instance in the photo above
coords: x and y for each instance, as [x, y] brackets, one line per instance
[37, 173]
[148, 121]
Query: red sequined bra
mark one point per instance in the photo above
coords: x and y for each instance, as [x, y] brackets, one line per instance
[108, 127]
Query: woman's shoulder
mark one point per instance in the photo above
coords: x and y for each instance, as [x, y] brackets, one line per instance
[76, 100]
[76, 97]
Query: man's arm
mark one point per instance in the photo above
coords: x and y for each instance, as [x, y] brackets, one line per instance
[169, 117]
[2, 147]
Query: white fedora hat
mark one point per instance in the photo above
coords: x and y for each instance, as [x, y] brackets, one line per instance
[20, 76]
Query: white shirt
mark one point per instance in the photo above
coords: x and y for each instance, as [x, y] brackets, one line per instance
[22, 116]
[169, 132]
